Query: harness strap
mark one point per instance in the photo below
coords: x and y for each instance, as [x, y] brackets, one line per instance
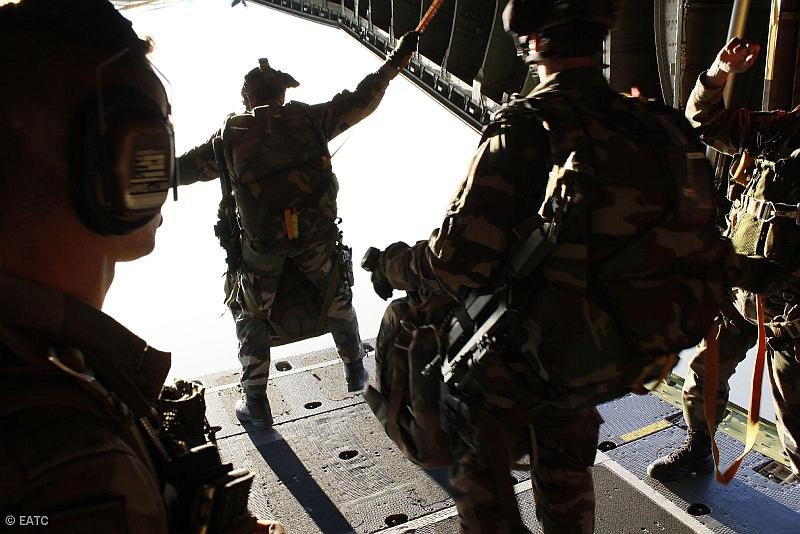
[765, 210]
[790, 329]
[710, 395]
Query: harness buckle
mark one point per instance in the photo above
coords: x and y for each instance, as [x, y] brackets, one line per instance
[768, 207]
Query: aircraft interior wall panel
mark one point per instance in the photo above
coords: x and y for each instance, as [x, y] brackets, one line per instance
[796, 71]
[784, 89]
[472, 25]
[633, 54]
[749, 87]
[705, 30]
[363, 8]
[502, 71]
[436, 41]
[405, 15]
[688, 35]
[381, 14]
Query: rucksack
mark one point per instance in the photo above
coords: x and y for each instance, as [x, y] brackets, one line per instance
[281, 174]
[300, 309]
[642, 247]
[405, 392]
[658, 270]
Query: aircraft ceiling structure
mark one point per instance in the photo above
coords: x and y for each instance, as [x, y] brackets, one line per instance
[468, 63]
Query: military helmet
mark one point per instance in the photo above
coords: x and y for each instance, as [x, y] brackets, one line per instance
[266, 80]
[525, 17]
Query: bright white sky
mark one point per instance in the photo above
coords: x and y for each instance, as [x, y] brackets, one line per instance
[397, 171]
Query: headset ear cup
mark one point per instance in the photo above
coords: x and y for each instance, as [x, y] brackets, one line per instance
[120, 177]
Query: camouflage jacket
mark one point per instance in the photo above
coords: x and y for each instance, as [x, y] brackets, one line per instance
[65, 453]
[731, 132]
[289, 167]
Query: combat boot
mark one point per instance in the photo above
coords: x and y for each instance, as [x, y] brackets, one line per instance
[694, 456]
[254, 409]
[355, 375]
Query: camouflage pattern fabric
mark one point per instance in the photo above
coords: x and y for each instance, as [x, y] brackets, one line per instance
[260, 281]
[567, 353]
[731, 132]
[783, 366]
[735, 338]
[561, 446]
[404, 401]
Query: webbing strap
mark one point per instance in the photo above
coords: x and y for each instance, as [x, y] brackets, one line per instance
[765, 210]
[790, 329]
[710, 395]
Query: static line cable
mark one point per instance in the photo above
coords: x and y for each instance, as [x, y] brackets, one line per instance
[428, 17]
[423, 23]
[344, 141]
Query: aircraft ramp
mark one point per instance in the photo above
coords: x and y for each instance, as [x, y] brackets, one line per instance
[327, 466]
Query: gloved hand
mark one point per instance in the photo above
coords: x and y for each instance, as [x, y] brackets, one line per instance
[401, 55]
[372, 263]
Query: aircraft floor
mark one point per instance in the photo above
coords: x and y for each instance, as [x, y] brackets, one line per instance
[327, 466]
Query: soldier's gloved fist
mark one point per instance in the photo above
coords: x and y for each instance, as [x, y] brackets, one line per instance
[401, 55]
[372, 263]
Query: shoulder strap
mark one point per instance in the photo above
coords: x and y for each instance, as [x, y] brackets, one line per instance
[316, 124]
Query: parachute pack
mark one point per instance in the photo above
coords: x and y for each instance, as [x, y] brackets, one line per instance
[643, 246]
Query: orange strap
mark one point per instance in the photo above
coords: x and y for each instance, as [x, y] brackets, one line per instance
[740, 174]
[710, 396]
[428, 16]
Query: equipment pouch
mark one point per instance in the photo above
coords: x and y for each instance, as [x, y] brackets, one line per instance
[403, 399]
[765, 220]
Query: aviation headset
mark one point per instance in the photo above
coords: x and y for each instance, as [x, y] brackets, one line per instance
[123, 160]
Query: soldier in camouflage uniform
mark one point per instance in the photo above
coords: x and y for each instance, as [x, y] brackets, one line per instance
[732, 132]
[78, 391]
[285, 190]
[566, 355]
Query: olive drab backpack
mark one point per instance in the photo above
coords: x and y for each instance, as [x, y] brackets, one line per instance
[279, 168]
[644, 247]
[764, 221]
[404, 393]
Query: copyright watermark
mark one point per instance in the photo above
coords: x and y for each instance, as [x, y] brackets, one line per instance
[27, 520]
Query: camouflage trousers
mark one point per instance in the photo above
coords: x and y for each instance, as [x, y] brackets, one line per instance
[783, 366]
[260, 281]
[561, 446]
